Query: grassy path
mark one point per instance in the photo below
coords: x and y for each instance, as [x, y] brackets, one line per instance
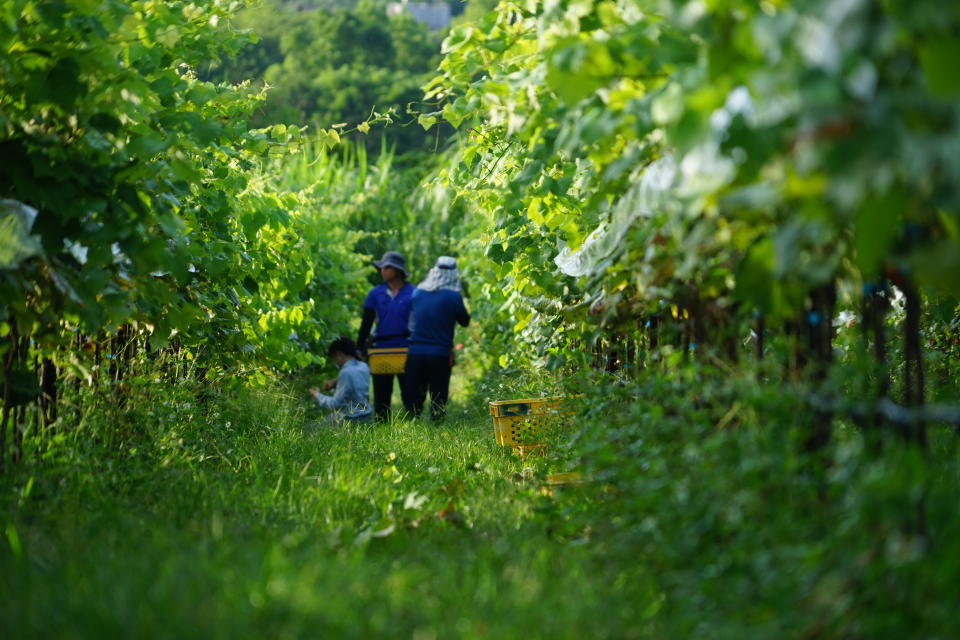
[242, 518]
[247, 519]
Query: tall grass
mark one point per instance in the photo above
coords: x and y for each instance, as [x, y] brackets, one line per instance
[248, 515]
[387, 200]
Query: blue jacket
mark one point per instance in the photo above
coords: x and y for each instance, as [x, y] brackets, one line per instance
[353, 390]
[433, 314]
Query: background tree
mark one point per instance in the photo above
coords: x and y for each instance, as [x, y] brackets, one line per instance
[332, 65]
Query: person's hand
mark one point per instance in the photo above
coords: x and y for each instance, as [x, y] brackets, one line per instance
[329, 384]
[314, 391]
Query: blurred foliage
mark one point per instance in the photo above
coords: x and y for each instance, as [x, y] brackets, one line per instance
[337, 65]
[711, 161]
[698, 484]
[136, 201]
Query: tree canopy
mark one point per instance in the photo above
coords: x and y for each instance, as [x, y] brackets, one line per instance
[337, 65]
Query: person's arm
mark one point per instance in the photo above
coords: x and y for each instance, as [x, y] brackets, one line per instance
[463, 317]
[337, 400]
[366, 323]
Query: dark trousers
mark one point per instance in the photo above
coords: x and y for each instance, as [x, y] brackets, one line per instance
[383, 390]
[429, 373]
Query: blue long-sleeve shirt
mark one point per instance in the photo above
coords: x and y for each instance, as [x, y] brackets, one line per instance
[350, 400]
[432, 318]
[392, 313]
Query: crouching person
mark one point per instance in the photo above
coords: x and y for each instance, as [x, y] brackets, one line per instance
[350, 400]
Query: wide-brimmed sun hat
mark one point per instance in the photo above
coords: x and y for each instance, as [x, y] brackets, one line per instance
[392, 259]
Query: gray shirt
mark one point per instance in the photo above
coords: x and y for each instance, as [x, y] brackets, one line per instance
[353, 389]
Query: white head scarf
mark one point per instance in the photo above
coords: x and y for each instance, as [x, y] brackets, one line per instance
[443, 275]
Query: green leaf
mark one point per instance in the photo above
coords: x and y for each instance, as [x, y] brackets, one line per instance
[328, 138]
[24, 386]
[876, 226]
[459, 37]
[452, 115]
[16, 242]
[578, 68]
[534, 213]
[147, 146]
[167, 36]
[939, 62]
[571, 86]
[496, 253]
[105, 122]
[427, 120]
[668, 106]
[940, 266]
[64, 85]
[755, 277]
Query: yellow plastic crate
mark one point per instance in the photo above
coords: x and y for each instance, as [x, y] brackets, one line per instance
[387, 359]
[522, 424]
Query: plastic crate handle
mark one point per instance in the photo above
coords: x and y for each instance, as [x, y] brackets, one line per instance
[518, 409]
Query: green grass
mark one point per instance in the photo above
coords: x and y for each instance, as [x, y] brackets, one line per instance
[247, 517]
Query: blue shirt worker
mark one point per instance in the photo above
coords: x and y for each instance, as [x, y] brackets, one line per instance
[437, 306]
[350, 400]
[389, 305]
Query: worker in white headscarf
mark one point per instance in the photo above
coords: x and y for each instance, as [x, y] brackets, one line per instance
[443, 275]
[436, 307]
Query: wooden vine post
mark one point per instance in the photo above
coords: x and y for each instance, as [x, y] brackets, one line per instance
[820, 334]
[913, 382]
[8, 363]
